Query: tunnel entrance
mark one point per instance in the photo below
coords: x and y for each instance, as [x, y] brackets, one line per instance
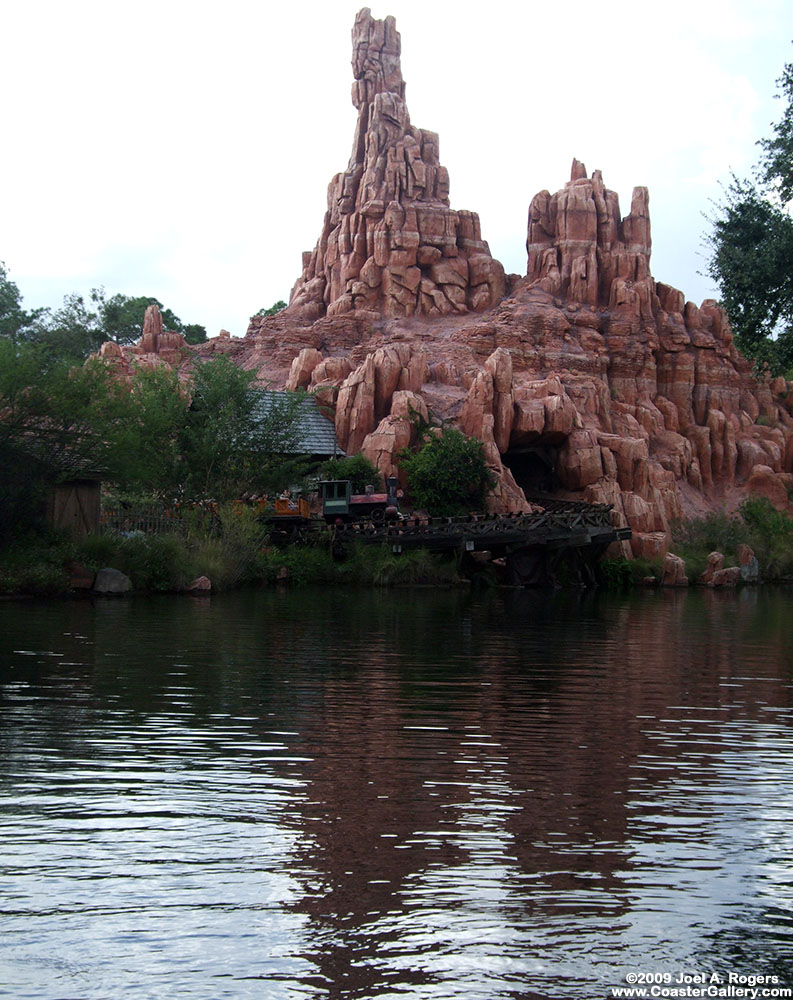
[534, 468]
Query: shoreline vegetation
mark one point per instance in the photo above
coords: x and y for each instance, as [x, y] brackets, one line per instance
[235, 550]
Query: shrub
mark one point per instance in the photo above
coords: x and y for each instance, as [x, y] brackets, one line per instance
[36, 565]
[242, 536]
[770, 534]
[448, 475]
[621, 574]
[377, 565]
[767, 531]
[694, 540]
[303, 564]
[361, 565]
[357, 468]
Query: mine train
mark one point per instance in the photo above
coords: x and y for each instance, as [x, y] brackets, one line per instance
[340, 505]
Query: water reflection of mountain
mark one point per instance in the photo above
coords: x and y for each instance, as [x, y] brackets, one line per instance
[505, 791]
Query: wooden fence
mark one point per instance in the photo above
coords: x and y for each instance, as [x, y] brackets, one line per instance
[145, 519]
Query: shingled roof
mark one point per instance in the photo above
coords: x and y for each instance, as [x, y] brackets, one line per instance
[316, 433]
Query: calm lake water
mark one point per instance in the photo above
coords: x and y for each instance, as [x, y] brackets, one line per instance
[423, 794]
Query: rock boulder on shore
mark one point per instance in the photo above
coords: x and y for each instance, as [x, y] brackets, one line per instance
[111, 581]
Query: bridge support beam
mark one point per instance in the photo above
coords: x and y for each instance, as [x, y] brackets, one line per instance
[554, 567]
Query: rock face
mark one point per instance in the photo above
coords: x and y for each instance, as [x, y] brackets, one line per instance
[155, 347]
[581, 250]
[390, 244]
[589, 379]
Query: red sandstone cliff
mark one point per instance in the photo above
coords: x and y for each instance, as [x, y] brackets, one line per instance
[390, 245]
[586, 376]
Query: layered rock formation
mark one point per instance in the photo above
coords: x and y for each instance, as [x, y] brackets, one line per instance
[155, 347]
[390, 244]
[589, 379]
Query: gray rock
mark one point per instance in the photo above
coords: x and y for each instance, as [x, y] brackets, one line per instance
[750, 568]
[111, 581]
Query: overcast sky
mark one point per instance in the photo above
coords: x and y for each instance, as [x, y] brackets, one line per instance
[183, 149]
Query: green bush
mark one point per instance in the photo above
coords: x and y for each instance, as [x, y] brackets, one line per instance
[448, 475]
[377, 565]
[222, 544]
[357, 468]
[622, 574]
[97, 551]
[36, 565]
[770, 535]
[694, 540]
[156, 562]
[767, 531]
[361, 565]
[298, 565]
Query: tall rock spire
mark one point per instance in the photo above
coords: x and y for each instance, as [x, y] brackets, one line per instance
[581, 249]
[390, 243]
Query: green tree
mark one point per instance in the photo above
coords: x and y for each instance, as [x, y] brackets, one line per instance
[56, 422]
[61, 414]
[751, 244]
[71, 332]
[16, 323]
[81, 325]
[276, 307]
[777, 164]
[357, 468]
[217, 438]
[448, 474]
[121, 318]
[194, 333]
[237, 438]
[145, 456]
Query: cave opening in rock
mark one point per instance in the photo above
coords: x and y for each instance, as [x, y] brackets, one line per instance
[534, 468]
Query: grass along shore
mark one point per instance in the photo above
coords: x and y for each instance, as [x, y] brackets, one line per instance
[236, 552]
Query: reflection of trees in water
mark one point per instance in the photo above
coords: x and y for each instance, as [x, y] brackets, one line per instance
[499, 740]
[568, 709]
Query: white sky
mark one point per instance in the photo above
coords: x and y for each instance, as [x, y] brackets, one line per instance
[183, 149]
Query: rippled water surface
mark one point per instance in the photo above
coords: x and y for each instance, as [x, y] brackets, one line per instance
[389, 795]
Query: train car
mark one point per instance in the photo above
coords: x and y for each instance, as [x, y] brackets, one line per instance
[341, 505]
[291, 510]
[287, 518]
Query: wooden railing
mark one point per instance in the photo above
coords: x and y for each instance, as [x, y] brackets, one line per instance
[145, 519]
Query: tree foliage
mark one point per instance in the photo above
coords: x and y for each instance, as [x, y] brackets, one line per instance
[777, 164]
[357, 468]
[751, 243]
[235, 437]
[82, 324]
[72, 332]
[276, 307]
[218, 438]
[56, 422]
[212, 439]
[121, 318]
[15, 322]
[752, 263]
[448, 474]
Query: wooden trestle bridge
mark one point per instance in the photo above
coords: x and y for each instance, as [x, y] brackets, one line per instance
[559, 539]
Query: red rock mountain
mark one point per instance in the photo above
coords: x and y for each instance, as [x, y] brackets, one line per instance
[586, 376]
[390, 245]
